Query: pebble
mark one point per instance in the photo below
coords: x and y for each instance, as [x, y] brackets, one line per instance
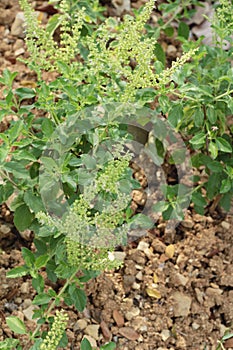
[27, 302]
[105, 330]
[120, 256]
[136, 286]
[25, 288]
[225, 225]
[143, 246]
[19, 52]
[128, 333]
[165, 334]
[28, 313]
[180, 279]
[18, 44]
[118, 318]
[4, 229]
[187, 223]
[133, 312]
[80, 324]
[93, 331]
[171, 50]
[182, 304]
[195, 326]
[17, 28]
[139, 276]
[159, 247]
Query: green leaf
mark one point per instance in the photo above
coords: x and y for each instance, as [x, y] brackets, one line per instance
[78, 297]
[25, 93]
[108, 346]
[23, 217]
[41, 261]
[183, 30]
[160, 206]
[53, 24]
[41, 299]
[211, 115]
[33, 202]
[85, 345]
[159, 53]
[28, 257]
[226, 185]
[18, 271]
[141, 221]
[175, 115]
[198, 140]
[15, 130]
[223, 145]
[16, 325]
[47, 127]
[169, 31]
[198, 199]
[8, 78]
[213, 149]
[215, 166]
[9, 344]
[38, 283]
[198, 117]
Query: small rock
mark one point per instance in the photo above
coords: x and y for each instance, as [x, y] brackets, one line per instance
[199, 295]
[171, 50]
[180, 279]
[118, 318]
[25, 288]
[213, 291]
[159, 247]
[136, 286]
[148, 253]
[165, 334]
[27, 302]
[28, 313]
[17, 28]
[4, 230]
[120, 256]
[143, 245]
[19, 52]
[91, 340]
[105, 330]
[225, 225]
[195, 326]
[128, 333]
[170, 251]
[187, 223]
[182, 304]
[139, 276]
[18, 44]
[139, 197]
[80, 324]
[128, 281]
[133, 312]
[93, 331]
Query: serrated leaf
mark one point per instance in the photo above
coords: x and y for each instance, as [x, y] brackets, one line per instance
[153, 293]
[223, 145]
[226, 185]
[25, 93]
[18, 271]
[23, 217]
[41, 299]
[183, 30]
[213, 149]
[16, 325]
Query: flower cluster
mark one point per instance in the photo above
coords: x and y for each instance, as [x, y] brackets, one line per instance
[94, 225]
[55, 334]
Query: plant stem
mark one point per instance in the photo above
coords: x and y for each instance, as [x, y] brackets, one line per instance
[69, 280]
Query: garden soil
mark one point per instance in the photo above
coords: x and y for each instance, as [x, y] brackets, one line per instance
[173, 291]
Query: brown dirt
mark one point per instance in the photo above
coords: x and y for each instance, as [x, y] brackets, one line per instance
[173, 292]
